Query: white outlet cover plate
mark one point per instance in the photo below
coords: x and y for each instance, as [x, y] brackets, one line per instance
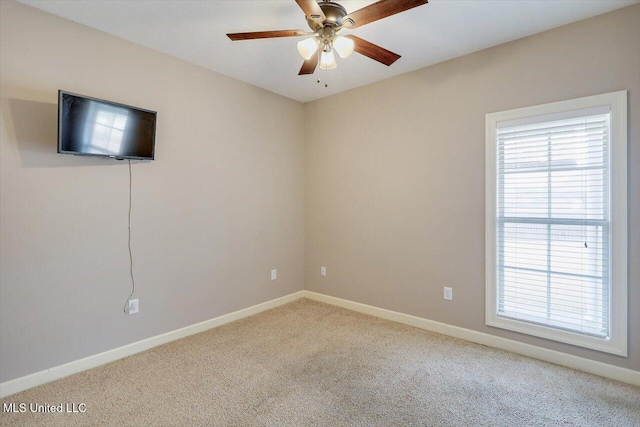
[448, 293]
[134, 306]
[323, 271]
[274, 274]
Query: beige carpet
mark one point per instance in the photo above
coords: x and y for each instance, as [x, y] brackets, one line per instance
[308, 364]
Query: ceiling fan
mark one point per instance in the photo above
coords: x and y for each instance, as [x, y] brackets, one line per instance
[326, 18]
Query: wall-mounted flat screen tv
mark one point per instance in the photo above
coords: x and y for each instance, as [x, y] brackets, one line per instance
[95, 127]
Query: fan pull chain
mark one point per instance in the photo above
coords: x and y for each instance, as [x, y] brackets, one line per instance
[326, 83]
[319, 57]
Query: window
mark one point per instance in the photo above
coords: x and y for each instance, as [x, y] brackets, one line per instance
[556, 238]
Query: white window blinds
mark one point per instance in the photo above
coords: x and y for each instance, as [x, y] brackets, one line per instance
[553, 221]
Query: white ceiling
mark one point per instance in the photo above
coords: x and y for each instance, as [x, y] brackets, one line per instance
[436, 32]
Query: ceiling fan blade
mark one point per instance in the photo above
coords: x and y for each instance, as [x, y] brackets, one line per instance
[309, 66]
[312, 11]
[374, 51]
[266, 34]
[379, 10]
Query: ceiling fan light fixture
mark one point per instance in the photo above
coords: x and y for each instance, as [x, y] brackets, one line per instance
[307, 47]
[328, 60]
[343, 46]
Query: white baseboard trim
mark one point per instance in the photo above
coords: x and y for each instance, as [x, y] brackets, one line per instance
[28, 381]
[629, 376]
[591, 366]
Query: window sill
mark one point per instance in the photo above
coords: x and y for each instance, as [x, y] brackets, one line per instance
[605, 345]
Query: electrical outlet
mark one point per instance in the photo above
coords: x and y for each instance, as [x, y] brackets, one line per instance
[448, 293]
[274, 274]
[323, 271]
[134, 306]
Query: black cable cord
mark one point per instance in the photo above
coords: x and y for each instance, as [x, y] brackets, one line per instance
[133, 280]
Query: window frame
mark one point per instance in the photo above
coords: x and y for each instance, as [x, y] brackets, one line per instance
[617, 341]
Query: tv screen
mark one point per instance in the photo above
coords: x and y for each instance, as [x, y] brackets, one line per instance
[94, 127]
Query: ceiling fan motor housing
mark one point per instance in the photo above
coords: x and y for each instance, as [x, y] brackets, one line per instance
[333, 12]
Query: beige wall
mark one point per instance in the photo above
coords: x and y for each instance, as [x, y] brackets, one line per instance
[394, 197]
[220, 206]
[395, 192]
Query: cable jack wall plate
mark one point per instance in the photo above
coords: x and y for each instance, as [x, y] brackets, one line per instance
[134, 306]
